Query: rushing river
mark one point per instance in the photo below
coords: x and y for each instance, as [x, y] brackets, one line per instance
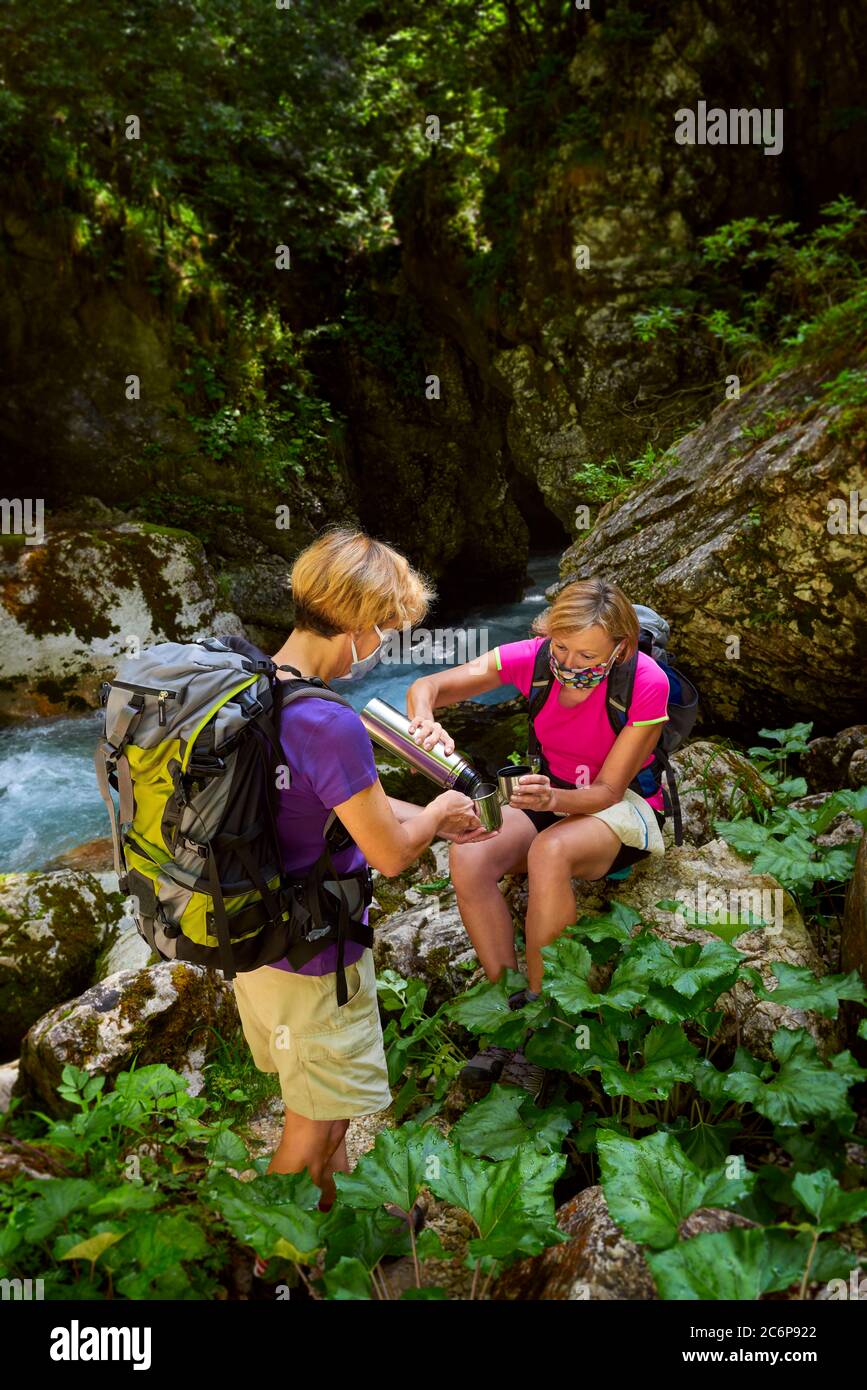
[48, 797]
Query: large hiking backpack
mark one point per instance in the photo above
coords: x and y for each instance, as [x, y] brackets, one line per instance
[653, 637]
[191, 745]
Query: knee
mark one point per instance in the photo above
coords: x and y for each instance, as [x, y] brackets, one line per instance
[466, 865]
[545, 856]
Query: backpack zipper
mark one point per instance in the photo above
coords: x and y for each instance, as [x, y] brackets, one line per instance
[162, 696]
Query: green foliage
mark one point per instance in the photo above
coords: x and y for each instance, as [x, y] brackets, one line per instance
[599, 482]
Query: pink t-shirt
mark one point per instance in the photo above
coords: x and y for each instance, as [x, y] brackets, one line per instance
[576, 741]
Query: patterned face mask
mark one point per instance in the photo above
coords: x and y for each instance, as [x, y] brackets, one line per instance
[581, 677]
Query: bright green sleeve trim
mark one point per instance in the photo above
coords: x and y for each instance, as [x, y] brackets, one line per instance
[497, 655]
[639, 723]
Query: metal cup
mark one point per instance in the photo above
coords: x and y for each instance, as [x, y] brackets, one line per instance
[486, 795]
[507, 779]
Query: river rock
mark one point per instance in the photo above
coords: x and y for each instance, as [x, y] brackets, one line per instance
[52, 928]
[597, 1261]
[8, 1078]
[842, 830]
[71, 608]
[94, 856]
[731, 540]
[717, 873]
[162, 1014]
[836, 761]
[715, 783]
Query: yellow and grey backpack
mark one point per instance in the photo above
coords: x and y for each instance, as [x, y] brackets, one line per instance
[191, 745]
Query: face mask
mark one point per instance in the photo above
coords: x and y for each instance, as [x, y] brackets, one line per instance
[361, 665]
[581, 677]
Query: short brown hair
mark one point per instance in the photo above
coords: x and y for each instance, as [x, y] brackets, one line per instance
[346, 581]
[588, 603]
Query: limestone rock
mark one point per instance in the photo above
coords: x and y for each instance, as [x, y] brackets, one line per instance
[837, 761]
[52, 928]
[732, 539]
[429, 943]
[715, 783]
[162, 1014]
[70, 607]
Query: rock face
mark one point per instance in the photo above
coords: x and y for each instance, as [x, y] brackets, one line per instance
[732, 541]
[52, 928]
[597, 1262]
[715, 874]
[838, 761]
[715, 783]
[71, 607]
[162, 1014]
[853, 941]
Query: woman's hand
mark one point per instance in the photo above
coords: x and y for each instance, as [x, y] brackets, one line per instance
[533, 792]
[458, 821]
[427, 732]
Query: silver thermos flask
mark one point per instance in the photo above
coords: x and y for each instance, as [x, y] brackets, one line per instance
[390, 729]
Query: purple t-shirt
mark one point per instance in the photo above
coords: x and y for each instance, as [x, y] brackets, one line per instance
[330, 757]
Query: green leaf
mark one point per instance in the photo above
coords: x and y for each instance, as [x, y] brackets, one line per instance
[348, 1280]
[800, 988]
[499, 1125]
[668, 1057]
[229, 1149]
[55, 1200]
[615, 925]
[485, 1006]
[93, 1247]
[803, 1088]
[396, 1168]
[723, 1265]
[271, 1208]
[129, 1196]
[651, 1186]
[567, 964]
[825, 1199]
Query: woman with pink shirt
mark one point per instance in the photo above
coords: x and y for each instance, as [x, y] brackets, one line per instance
[550, 830]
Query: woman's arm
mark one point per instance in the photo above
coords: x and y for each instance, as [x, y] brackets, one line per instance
[627, 757]
[446, 688]
[391, 843]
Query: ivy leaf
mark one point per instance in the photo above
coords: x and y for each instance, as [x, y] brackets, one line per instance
[825, 1199]
[803, 1088]
[651, 1186]
[800, 988]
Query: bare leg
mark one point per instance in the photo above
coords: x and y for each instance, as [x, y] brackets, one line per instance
[318, 1145]
[476, 869]
[578, 847]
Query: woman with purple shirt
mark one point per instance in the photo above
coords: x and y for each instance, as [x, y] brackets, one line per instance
[347, 589]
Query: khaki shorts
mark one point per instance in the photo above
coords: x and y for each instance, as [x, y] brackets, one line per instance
[330, 1059]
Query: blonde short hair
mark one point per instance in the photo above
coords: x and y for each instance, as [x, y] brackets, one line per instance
[346, 581]
[588, 603]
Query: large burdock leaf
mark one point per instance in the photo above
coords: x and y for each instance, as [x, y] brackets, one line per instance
[396, 1168]
[485, 1007]
[716, 1266]
[803, 1088]
[650, 962]
[825, 1199]
[348, 1280]
[615, 925]
[668, 1056]
[272, 1212]
[512, 1202]
[499, 1125]
[651, 1186]
[567, 964]
[799, 988]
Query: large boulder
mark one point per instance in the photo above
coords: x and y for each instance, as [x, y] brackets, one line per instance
[732, 541]
[715, 876]
[73, 606]
[166, 1013]
[52, 929]
[715, 783]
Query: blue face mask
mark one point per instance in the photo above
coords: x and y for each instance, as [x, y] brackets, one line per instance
[361, 665]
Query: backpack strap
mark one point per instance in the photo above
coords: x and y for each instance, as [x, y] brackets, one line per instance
[540, 688]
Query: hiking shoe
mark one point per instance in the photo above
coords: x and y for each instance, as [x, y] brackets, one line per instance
[519, 1071]
[485, 1067]
[520, 998]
